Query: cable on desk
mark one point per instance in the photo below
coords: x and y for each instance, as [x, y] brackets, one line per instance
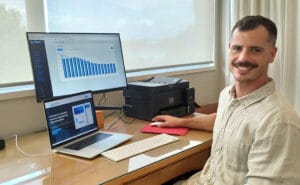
[112, 124]
[108, 115]
[120, 117]
[102, 99]
[125, 121]
[115, 121]
[25, 153]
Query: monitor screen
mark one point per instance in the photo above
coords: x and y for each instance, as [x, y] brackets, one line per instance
[67, 63]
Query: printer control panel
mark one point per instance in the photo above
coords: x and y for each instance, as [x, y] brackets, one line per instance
[157, 81]
[165, 80]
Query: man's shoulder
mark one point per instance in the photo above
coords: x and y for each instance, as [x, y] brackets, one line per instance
[278, 110]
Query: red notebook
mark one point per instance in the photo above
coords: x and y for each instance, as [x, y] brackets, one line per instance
[166, 130]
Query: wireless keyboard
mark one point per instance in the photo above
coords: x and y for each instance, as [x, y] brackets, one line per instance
[126, 151]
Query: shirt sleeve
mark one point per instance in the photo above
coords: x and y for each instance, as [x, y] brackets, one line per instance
[274, 157]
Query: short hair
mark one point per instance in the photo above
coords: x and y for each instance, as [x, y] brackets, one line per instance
[248, 23]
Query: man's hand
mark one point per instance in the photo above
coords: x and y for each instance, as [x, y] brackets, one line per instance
[201, 122]
[169, 121]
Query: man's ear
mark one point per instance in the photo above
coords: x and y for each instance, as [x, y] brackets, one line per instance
[273, 54]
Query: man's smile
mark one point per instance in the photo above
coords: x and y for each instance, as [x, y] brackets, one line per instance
[245, 66]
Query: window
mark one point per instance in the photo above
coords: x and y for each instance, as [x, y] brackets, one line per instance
[15, 66]
[154, 33]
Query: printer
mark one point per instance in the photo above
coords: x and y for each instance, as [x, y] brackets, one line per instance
[158, 95]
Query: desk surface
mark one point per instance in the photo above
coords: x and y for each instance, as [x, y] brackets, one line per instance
[155, 166]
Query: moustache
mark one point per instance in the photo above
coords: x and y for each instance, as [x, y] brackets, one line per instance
[245, 64]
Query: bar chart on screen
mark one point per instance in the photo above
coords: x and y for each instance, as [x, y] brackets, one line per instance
[83, 61]
[75, 67]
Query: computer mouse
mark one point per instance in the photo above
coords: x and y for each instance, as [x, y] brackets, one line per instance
[155, 124]
[2, 143]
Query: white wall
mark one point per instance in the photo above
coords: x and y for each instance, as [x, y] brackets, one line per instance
[23, 115]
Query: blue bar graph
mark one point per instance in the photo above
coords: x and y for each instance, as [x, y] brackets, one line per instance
[74, 67]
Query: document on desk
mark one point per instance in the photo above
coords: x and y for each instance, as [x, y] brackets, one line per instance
[152, 156]
[165, 130]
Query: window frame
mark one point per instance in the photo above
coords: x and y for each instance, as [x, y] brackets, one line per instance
[26, 89]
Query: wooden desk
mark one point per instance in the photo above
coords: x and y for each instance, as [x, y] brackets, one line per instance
[153, 167]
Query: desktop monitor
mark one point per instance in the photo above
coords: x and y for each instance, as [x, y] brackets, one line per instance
[68, 63]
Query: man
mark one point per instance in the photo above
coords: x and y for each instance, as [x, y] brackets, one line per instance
[256, 133]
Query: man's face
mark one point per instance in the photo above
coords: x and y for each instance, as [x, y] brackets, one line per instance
[250, 54]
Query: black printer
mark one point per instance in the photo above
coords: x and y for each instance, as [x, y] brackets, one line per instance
[158, 95]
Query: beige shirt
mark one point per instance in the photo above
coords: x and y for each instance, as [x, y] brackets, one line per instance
[256, 141]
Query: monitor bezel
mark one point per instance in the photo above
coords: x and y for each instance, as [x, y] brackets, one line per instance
[41, 99]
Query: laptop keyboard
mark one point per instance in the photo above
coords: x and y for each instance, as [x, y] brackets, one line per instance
[87, 141]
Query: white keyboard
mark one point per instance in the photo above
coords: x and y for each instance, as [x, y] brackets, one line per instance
[131, 149]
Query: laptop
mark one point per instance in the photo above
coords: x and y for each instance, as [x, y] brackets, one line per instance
[73, 128]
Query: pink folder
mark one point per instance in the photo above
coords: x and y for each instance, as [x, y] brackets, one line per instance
[166, 130]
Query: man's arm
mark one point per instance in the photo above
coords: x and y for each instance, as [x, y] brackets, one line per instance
[201, 122]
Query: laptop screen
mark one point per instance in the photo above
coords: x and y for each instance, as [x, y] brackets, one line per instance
[70, 117]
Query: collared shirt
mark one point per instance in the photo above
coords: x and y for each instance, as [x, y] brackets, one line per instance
[256, 141]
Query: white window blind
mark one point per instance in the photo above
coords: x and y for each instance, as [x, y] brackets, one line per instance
[15, 66]
[154, 33]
